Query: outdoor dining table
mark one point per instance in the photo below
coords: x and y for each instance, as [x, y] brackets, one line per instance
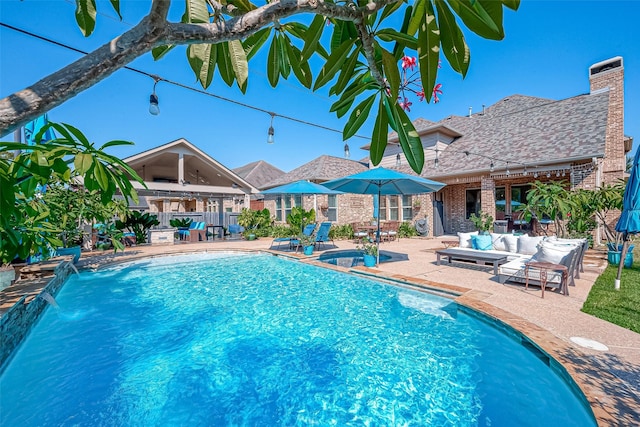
[371, 230]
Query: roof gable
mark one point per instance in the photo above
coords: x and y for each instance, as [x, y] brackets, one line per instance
[320, 169]
[259, 173]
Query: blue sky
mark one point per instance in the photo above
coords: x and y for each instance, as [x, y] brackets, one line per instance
[548, 48]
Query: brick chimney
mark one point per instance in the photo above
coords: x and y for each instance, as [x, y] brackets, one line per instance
[609, 74]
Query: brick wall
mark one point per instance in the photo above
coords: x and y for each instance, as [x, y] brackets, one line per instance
[610, 74]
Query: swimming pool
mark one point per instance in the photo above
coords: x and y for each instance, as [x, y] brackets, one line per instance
[232, 339]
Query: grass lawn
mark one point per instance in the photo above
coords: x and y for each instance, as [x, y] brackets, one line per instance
[620, 307]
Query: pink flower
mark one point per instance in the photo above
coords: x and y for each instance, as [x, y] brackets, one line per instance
[436, 91]
[408, 62]
[439, 63]
[420, 95]
[406, 104]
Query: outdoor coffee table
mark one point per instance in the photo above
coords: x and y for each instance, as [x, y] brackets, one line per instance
[479, 257]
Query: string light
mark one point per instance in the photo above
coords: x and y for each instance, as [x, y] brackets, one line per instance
[270, 132]
[491, 166]
[154, 109]
[398, 160]
[524, 172]
[436, 161]
[508, 172]
[347, 153]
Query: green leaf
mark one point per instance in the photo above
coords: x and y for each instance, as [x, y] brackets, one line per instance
[358, 116]
[285, 65]
[79, 135]
[409, 140]
[239, 63]
[254, 42]
[101, 176]
[115, 143]
[428, 51]
[346, 73]
[391, 72]
[115, 4]
[83, 162]
[391, 118]
[273, 62]
[312, 36]
[453, 44]
[224, 63]
[390, 10]
[481, 16]
[196, 12]
[511, 4]
[333, 64]
[349, 95]
[202, 58]
[389, 35]
[342, 32]
[300, 68]
[159, 52]
[243, 5]
[419, 9]
[86, 16]
[380, 133]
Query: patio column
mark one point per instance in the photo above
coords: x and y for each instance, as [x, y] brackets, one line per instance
[180, 168]
[488, 196]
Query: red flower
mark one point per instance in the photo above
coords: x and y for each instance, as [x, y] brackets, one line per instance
[420, 95]
[406, 104]
[408, 62]
[437, 90]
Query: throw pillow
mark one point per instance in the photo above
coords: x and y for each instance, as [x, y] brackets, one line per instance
[528, 245]
[465, 239]
[511, 242]
[498, 242]
[548, 252]
[481, 242]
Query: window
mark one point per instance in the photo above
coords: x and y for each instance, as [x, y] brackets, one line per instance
[473, 202]
[287, 207]
[332, 212]
[519, 195]
[297, 200]
[407, 208]
[382, 208]
[500, 202]
[279, 208]
[393, 208]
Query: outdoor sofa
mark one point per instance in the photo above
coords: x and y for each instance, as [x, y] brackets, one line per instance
[521, 249]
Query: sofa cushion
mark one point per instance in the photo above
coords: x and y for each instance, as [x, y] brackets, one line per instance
[549, 252]
[528, 245]
[497, 240]
[511, 242]
[481, 242]
[465, 239]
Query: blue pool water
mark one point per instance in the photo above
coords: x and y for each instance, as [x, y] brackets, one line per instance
[347, 258]
[252, 340]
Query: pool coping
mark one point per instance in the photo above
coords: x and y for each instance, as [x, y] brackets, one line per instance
[610, 402]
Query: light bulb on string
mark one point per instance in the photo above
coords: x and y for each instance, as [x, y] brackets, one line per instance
[271, 132]
[154, 109]
[347, 152]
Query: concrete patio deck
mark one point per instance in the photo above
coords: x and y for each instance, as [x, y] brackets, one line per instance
[610, 379]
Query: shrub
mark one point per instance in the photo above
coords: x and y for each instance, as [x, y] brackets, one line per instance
[406, 229]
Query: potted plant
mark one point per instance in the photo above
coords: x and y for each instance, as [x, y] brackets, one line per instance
[252, 220]
[369, 253]
[483, 222]
[307, 243]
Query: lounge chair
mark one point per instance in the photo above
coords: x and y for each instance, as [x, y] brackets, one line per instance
[293, 242]
[322, 236]
[197, 232]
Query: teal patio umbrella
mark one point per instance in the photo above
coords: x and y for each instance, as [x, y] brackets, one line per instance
[301, 187]
[382, 182]
[629, 222]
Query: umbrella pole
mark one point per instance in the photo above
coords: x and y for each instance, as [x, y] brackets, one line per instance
[378, 233]
[623, 254]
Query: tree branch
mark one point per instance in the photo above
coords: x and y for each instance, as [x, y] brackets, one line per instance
[25, 105]
[369, 54]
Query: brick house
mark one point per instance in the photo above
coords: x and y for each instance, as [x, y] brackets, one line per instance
[489, 159]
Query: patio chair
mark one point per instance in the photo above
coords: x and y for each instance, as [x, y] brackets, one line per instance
[293, 242]
[235, 230]
[322, 236]
[359, 234]
[197, 232]
[185, 233]
[389, 231]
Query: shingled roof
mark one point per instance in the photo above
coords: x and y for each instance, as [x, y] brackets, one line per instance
[321, 169]
[258, 173]
[525, 130]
